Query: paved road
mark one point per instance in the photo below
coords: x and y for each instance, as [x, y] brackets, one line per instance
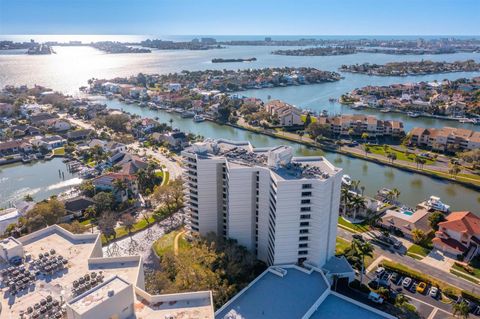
[420, 266]
[172, 166]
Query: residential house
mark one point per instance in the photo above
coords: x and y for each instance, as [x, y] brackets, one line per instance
[115, 147]
[79, 135]
[41, 118]
[459, 234]
[174, 139]
[24, 130]
[76, 206]
[406, 220]
[6, 109]
[49, 142]
[108, 182]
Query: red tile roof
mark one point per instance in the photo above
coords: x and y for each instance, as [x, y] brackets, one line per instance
[463, 222]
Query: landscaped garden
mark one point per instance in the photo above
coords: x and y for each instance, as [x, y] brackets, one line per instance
[359, 228]
[418, 252]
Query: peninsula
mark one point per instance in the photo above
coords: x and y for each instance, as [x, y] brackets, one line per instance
[412, 68]
[318, 51]
[220, 60]
[117, 47]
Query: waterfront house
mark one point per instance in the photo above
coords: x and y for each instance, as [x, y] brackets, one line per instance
[455, 109]
[405, 220]
[10, 147]
[173, 87]
[41, 118]
[57, 125]
[459, 234]
[48, 142]
[23, 130]
[115, 147]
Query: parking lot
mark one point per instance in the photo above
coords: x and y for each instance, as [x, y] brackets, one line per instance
[423, 296]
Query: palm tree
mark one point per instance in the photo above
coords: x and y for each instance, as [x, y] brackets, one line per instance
[362, 249]
[346, 197]
[401, 300]
[355, 184]
[461, 309]
[392, 157]
[121, 186]
[418, 236]
[362, 188]
[90, 213]
[454, 170]
[171, 122]
[357, 203]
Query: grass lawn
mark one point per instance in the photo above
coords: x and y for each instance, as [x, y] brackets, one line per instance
[472, 176]
[59, 151]
[165, 243]
[475, 273]
[341, 245]
[461, 273]
[360, 228]
[122, 232]
[165, 175]
[400, 155]
[304, 118]
[418, 250]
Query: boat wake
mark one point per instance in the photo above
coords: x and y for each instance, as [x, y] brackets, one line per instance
[67, 183]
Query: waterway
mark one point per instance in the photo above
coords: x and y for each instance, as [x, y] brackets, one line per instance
[414, 187]
[71, 67]
[39, 180]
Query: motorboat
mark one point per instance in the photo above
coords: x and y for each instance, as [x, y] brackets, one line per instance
[413, 114]
[386, 110]
[346, 180]
[187, 114]
[435, 203]
[198, 118]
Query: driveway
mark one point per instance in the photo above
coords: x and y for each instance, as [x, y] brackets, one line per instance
[438, 260]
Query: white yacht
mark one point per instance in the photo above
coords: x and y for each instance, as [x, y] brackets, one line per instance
[435, 203]
[198, 118]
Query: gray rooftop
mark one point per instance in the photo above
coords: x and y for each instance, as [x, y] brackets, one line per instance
[339, 308]
[337, 265]
[273, 296]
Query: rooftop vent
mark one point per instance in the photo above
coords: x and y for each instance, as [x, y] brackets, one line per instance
[111, 293]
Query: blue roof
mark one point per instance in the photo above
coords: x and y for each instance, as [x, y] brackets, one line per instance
[338, 308]
[272, 296]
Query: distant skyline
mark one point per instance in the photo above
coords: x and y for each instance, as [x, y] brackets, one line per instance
[241, 17]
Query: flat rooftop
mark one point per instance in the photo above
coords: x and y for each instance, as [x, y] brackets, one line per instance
[84, 255]
[98, 294]
[279, 159]
[274, 296]
[339, 308]
[198, 308]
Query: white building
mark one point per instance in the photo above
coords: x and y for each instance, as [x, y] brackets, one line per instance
[282, 208]
[119, 294]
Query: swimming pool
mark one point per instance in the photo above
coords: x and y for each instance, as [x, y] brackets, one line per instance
[407, 212]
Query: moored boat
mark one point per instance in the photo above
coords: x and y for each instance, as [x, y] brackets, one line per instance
[346, 180]
[198, 118]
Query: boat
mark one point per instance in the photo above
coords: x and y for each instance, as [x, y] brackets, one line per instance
[332, 100]
[358, 105]
[385, 110]
[413, 114]
[466, 120]
[346, 180]
[435, 203]
[187, 114]
[198, 118]
[324, 113]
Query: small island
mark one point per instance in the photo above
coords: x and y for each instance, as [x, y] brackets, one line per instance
[220, 60]
[318, 51]
[412, 68]
[117, 47]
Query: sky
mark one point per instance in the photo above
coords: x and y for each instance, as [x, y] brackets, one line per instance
[241, 17]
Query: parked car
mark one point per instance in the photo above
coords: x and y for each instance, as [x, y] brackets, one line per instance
[16, 260]
[433, 292]
[407, 282]
[379, 271]
[373, 296]
[421, 287]
[394, 277]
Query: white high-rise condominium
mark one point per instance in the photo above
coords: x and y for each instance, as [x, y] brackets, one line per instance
[282, 208]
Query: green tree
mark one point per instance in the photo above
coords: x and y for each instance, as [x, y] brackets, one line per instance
[358, 203]
[435, 218]
[103, 201]
[356, 254]
[128, 222]
[316, 130]
[106, 224]
[461, 310]
[419, 236]
[365, 137]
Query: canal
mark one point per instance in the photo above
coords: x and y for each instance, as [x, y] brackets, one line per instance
[40, 180]
[414, 187]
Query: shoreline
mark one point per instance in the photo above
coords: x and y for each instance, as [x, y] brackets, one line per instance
[436, 175]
